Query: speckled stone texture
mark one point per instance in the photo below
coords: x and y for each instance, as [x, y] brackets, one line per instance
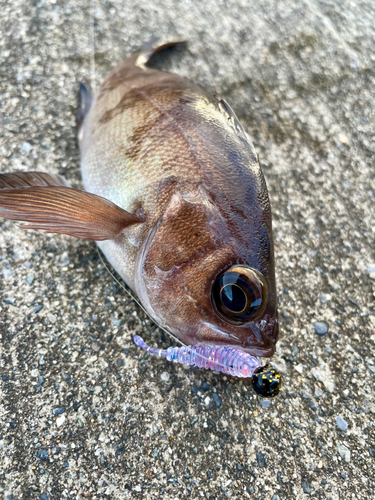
[86, 414]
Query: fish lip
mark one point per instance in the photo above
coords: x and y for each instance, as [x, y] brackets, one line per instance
[269, 333]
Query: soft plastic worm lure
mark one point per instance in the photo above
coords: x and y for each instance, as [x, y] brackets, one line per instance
[266, 381]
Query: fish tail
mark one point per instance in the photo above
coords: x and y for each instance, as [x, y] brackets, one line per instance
[85, 101]
[152, 47]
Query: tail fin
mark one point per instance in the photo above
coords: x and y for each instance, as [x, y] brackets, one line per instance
[152, 47]
[85, 101]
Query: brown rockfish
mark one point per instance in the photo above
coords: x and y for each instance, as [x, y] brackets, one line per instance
[175, 197]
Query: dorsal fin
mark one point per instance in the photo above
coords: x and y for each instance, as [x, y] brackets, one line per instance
[153, 47]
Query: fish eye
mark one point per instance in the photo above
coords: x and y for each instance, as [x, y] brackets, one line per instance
[239, 294]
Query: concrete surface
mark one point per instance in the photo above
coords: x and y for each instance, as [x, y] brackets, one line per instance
[84, 413]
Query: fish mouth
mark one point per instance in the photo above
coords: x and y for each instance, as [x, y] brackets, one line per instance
[261, 342]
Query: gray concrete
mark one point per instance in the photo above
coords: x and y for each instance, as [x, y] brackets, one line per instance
[84, 414]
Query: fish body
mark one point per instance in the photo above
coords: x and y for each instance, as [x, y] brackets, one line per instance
[155, 142]
[178, 205]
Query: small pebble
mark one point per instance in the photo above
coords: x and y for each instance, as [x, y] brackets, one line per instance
[30, 278]
[216, 399]
[344, 452]
[306, 486]
[51, 318]
[43, 455]
[95, 346]
[264, 403]
[204, 387]
[7, 273]
[38, 308]
[305, 394]
[43, 496]
[321, 328]
[341, 423]
[165, 376]
[59, 411]
[318, 393]
[261, 459]
[60, 420]
[64, 259]
[26, 147]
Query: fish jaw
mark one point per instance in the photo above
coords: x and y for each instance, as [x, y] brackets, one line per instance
[261, 342]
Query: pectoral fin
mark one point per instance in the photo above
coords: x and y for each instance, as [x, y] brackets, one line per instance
[28, 179]
[48, 203]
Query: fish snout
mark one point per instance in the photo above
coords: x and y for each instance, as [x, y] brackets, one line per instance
[258, 338]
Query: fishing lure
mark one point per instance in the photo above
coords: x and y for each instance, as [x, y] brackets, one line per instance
[265, 380]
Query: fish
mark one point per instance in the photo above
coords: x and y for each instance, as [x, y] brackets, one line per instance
[175, 198]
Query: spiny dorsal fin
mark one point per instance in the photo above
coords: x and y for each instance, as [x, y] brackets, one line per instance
[153, 47]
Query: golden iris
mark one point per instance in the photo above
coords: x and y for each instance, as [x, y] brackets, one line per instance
[239, 294]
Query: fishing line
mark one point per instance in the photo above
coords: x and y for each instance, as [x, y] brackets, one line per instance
[199, 355]
[137, 302]
[92, 46]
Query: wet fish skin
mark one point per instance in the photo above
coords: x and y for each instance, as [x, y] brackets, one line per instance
[158, 144]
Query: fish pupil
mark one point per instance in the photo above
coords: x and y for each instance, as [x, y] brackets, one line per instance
[233, 297]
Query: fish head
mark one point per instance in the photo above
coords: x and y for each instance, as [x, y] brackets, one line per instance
[206, 274]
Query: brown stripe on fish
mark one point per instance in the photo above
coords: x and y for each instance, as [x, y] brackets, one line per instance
[129, 100]
[165, 100]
